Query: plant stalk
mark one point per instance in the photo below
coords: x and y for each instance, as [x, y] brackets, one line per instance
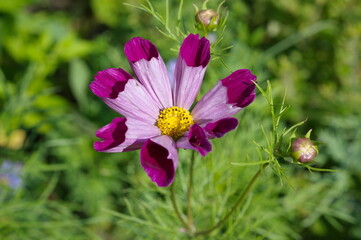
[189, 194]
[236, 205]
[175, 206]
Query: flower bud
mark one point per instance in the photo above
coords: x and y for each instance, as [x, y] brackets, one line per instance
[207, 19]
[304, 150]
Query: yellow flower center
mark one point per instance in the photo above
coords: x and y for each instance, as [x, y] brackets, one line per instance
[174, 121]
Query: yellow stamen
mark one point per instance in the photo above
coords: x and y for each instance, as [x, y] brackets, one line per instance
[174, 121]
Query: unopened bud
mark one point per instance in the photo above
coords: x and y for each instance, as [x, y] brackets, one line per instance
[304, 150]
[207, 19]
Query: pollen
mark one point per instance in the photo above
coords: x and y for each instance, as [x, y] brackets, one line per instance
[174, 121]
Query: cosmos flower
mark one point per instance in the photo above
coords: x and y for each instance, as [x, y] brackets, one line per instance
[157, 115]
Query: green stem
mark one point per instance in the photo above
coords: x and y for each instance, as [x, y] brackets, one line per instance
[236, 205]
[175, 206]
[189, 194]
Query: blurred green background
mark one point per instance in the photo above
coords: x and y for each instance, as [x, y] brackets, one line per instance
[60, 188]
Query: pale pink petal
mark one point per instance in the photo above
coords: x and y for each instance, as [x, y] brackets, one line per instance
[123, 135]
[159, 159]
[187, 83]
[125, 95]
[191, 65]
[226, 98]
[135, 102]
[150, 70]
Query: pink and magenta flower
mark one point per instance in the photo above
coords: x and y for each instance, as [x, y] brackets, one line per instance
[157, 115]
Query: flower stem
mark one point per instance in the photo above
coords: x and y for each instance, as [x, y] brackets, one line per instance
[236, 205]
[175, 206]
[189, 194]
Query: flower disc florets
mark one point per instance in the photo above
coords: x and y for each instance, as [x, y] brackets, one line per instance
[174, 121]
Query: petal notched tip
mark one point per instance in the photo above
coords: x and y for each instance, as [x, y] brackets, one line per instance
[109, 82]
[198, 140]
[138, 48]
[240, 87]
[195, 51]
[157, 163]
[112, 134]
[219, 128]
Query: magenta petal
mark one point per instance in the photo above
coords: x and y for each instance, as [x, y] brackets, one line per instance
[240, 87]
[219, 128]
[109, 82]
[123, 135]
[198, 140]
[112, 134]
[195, 51]
[159, 158]
[138, 48]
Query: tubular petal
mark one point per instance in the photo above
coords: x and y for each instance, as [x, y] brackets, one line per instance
[123, 135]
[219, 128]
[109, 82]
[159, 159]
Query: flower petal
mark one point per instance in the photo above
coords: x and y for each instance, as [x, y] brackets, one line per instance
[123, 135]
[240, 87]
[135, 102]
[190, 68]
[219, 128]
[109, 82]
[125, 95]
[138, 48]
[196, 140]
[159, 158]
[226, 98]
[195, 51]
[150, 70]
